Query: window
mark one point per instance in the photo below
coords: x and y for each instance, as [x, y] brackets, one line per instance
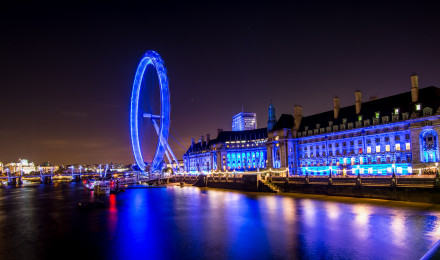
[407, 136]
[377, 148]
[351, 143]
[397, 138]
[387, 147]
[387, 139]
[396, 111]
[368, 149]
[418, 107]
[407, 146]
[397, 147]
[427, 111]
[377, 140]
[377, 115]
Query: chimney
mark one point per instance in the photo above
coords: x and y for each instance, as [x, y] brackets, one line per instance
[373, 98]
[358, 96]
[297, 116]
[208, 137]
[336, 106]
[414, 87]
[202, 139]
[219, 130]
[192, 142]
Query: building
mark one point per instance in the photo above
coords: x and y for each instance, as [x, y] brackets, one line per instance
[272, 120]
[396, 134]
[391, 135]
[244, 121]
[22, 166]
[231, 151]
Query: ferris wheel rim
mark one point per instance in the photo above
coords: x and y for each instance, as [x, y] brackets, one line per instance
[154, 59]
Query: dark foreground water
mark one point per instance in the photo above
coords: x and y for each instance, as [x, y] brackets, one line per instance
[43, 222]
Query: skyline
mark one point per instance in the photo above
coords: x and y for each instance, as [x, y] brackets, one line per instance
[68, 71]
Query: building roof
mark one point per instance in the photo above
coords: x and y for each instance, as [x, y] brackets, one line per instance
[285, 121]
[224, 136]
[428, 97]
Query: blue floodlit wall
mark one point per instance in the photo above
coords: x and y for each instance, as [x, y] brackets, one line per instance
[235, 160]
[199, 162]
[429, 146]
[376, 150]
[247, 159]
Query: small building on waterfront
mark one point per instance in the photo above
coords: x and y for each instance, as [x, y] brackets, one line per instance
[230, 151]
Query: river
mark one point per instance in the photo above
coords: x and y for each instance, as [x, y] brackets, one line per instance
[43, 222]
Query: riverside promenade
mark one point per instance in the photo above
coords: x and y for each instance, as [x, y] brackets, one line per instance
[425, 188]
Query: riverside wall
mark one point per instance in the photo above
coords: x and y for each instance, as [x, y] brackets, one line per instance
[425, 190]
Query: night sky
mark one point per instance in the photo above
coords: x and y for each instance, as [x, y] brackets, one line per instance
[67, 69]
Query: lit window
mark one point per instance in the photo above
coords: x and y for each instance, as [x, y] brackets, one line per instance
[418, 107]
[409, 169]
[396, 111]
[345, 160]
[397, 147]
[377, 148]
[370, 170]
[377, 115]
[277, 138]
[368, 149]
[362, 170]
[408, 147]
[387, 147]
[399, 169]
[361, 160]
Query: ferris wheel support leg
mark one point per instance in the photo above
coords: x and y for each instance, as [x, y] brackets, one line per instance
[168, 150]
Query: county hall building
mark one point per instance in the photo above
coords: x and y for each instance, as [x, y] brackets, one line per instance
[376, 137]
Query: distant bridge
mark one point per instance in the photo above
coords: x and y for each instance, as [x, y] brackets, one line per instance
[14, 179]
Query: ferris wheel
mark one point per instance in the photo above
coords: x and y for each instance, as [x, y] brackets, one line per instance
[150, 114]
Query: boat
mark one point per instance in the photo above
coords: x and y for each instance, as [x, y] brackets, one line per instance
[89, 184]
[101, 188]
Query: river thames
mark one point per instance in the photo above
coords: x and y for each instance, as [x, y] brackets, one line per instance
[43, 222]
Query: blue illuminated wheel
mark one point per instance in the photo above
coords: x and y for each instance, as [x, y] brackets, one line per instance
[150, 113]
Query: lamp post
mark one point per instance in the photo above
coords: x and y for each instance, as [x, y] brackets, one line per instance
[436, 170]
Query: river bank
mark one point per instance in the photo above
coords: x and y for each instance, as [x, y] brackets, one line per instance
[421, 191]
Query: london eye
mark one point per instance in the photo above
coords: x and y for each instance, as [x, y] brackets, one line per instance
[150, 114]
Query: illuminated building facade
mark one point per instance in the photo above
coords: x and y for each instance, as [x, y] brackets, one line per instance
[232, 151]
[396, 134]
[23, 166]
[244, 121]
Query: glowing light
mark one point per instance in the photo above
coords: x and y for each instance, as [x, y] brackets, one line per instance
[154, 59]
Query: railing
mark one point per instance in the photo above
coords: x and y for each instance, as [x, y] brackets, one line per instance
[400, 181]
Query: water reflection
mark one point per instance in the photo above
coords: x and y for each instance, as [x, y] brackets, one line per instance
[361, 220]
[191, 223]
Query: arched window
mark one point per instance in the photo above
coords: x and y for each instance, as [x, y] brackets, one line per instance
[429, 146]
